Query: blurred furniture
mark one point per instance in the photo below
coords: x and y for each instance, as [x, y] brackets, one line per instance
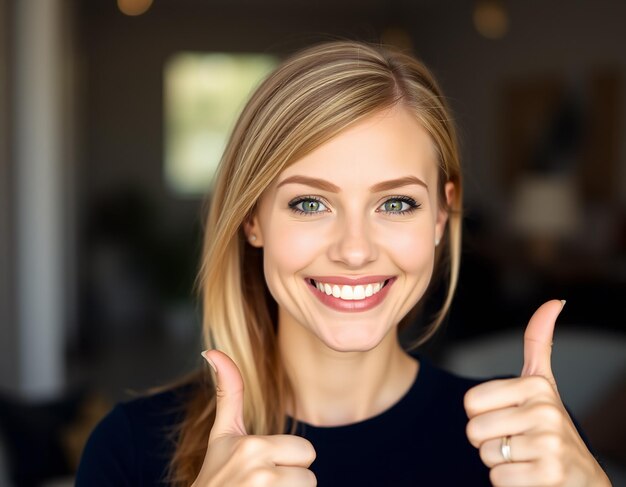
[41, 441]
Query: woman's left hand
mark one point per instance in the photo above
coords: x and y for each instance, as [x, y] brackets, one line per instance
[545, 447]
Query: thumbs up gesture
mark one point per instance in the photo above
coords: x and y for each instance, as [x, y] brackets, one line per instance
[233, 457]
[521, 427]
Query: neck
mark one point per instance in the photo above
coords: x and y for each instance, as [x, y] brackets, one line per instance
[334, 388]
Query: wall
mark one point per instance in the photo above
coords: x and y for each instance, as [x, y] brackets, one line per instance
[8, 357]
[545, 38]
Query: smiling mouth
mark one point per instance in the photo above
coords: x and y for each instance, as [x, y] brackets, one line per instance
[349, 299]
[349, 293]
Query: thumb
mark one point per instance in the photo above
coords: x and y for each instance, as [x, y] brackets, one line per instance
[538, 340]
[229, 396]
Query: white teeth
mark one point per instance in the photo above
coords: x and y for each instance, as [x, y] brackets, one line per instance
[336, 291]
[359, 292]
[349, 293]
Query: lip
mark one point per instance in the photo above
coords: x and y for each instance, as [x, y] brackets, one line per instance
[360, 305]
[349, 281]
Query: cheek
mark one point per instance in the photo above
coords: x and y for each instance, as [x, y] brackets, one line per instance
[413, 248]
[290, 248]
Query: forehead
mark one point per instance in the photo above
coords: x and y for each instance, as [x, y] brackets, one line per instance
[387, 144]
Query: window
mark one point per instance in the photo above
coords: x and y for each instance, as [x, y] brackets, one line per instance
[204, 94]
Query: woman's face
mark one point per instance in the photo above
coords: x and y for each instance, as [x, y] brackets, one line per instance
[362, 206]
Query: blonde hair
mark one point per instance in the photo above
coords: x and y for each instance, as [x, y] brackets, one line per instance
[310, 98]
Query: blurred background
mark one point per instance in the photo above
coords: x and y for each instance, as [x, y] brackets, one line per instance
[113, 117]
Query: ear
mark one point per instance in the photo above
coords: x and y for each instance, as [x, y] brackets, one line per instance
[442, 213]
[252, 229]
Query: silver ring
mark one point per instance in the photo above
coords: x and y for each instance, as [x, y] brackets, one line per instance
[505, 448]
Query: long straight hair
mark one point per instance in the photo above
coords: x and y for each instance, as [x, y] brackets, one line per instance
[310, 98]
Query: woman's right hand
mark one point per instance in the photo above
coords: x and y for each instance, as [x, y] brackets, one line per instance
[235, 458]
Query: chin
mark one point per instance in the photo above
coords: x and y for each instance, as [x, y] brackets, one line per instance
[351, 342]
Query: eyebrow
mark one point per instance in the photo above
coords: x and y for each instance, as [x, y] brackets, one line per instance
[330, 187]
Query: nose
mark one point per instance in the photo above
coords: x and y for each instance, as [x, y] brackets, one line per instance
[353, 244]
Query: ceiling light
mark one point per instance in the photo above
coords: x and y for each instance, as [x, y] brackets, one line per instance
[133, 7]
[491, 19]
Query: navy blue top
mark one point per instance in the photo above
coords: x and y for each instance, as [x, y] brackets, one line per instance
[420, 440]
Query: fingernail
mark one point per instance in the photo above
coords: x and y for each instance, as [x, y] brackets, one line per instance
[563, 301]
[206, 357]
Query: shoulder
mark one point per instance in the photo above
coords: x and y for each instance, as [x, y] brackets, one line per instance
[447, 382]
[134, 441]
[147, 414]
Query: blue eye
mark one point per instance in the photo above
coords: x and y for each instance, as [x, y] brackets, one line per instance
[311, 205]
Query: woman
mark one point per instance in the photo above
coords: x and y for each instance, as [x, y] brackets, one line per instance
[337, 199]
